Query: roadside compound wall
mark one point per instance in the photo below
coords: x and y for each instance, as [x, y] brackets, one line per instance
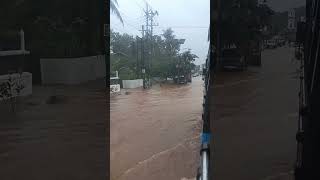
[129, 84]
[72, 70]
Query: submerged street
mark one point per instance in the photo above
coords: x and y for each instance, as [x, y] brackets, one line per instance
[255, 120]
[155, 133]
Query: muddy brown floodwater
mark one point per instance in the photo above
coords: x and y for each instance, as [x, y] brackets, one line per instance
[51, 141]
[255, 118]
[155, 132]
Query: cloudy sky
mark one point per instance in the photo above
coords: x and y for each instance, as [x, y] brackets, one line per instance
[189, 19]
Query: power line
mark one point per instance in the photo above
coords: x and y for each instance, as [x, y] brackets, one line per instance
[126, 23]
[135, 27]
[148, 4]
[138, 4]
[124, 14]
[122, 29]
[140, 18]
[117, 24]
[115, 29]
[134, 21]
[186, 27]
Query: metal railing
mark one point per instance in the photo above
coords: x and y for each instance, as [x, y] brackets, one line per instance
[204, 170]
[309, 97]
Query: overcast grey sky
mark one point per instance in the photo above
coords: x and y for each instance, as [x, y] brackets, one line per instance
[189, 20]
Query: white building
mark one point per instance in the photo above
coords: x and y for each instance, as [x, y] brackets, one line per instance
[291, 20]
[303, 19]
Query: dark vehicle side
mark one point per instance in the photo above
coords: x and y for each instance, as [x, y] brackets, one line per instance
[180, 79]
[231, 58]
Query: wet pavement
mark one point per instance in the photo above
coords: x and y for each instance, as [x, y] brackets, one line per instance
[255, 118]
[62, 140]
[155, 133]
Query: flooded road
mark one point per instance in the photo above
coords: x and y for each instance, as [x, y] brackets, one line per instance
[155, 133]
[255, 120]
[62, 140]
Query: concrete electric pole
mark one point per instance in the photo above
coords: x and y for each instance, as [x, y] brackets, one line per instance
[148, 43]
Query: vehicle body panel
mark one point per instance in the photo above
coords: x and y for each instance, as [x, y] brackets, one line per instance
[231, 58]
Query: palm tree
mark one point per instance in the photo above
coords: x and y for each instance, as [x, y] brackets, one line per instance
[114, 9]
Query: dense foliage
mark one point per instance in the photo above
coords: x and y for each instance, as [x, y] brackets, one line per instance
[166, 59]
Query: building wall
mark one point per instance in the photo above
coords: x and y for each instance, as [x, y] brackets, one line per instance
[291, 13]
[129, 84]
[291, 19]
[291, 24]
[72, 70]
[13, 60]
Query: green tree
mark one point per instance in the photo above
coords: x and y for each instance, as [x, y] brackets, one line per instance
[123, 57]
[171, 44]
[185, 63]
[166, 54]
[121, 43]
[126, 54]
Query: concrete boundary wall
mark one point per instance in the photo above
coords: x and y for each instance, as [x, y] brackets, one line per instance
[129, 84]
[72, 70]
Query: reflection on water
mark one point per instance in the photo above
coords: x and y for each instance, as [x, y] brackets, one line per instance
[154, 129]
[54, 141]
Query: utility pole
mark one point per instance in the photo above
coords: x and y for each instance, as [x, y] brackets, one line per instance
[149, 14]
[138, 44]
[147, 18]
[147, 45]
[152, 14]
[151, 27]
[143, 57]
